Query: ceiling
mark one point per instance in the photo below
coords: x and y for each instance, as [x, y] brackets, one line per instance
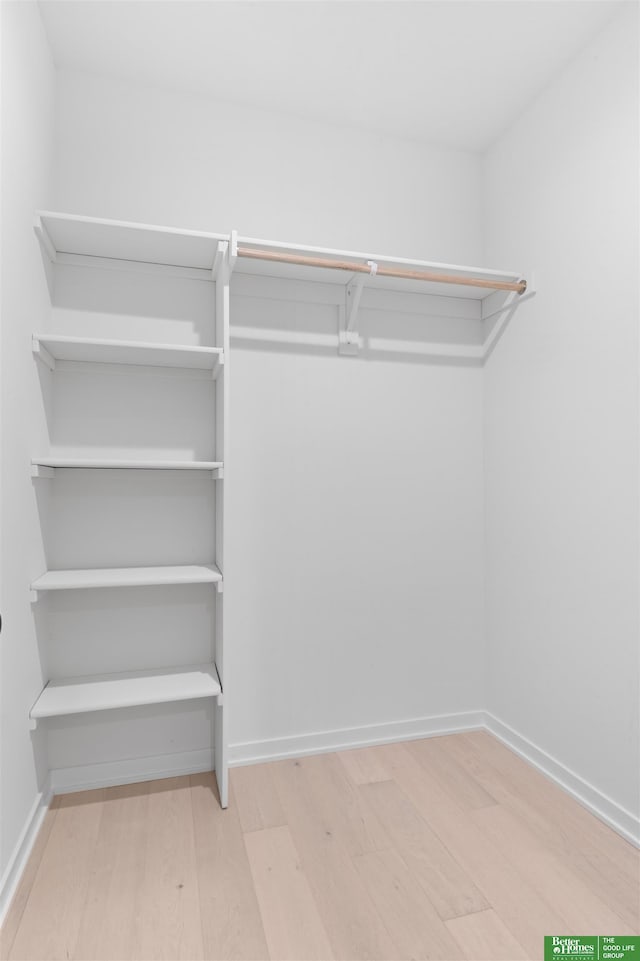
[450, 72]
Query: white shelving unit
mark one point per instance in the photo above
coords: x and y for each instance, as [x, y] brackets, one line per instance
[163, 254]
[349, 280]
[82, 695]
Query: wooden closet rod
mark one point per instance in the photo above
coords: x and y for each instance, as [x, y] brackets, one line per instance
[520, 286]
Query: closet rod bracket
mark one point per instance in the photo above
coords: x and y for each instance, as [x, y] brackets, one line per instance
[349, 341]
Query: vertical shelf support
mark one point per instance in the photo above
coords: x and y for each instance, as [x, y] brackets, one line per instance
[228, 251]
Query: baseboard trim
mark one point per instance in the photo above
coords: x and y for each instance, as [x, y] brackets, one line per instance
[274, 749]
[86, 777]
[621, 820]
[20, 854]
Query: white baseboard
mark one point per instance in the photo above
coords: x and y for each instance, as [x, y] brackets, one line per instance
[86, 777]
[20, 854]
[613, 814]
[274, 749]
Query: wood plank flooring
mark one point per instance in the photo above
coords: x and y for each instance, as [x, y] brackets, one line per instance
[449, 848]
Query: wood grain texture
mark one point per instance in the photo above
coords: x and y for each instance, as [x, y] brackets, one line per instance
[350, 918]
[363, 765]
[450, 848]
[292, 924]
[506, 889]
[167, 923]
[447, 885]
[548, 874]
[256, 797]
[341, 805]
[107, 929]
[463, 788]
[52, 917]
[483, 937]
[406, 911]
[231, 924]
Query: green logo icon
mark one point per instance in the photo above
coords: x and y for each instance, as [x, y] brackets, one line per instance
[592, 948]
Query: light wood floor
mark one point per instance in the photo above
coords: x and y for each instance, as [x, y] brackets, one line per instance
[447, 848]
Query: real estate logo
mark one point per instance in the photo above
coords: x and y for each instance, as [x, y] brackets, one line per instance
[580, 949]
[597, 948]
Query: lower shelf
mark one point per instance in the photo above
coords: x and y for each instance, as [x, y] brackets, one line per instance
[126, 577]
[106, 463]
[103, 692]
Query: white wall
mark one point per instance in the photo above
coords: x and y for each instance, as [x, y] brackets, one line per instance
[561, 421]
[138, 153]
[355, 588]
[27, 122]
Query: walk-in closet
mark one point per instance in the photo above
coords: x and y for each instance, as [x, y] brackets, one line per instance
[319, 480]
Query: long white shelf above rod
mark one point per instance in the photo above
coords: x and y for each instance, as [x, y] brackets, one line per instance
[46, 466]
[86, 578]
[101, 692]
[52, 347]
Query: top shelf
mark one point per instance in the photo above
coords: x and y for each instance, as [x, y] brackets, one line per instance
[64, 235]
[117, 240]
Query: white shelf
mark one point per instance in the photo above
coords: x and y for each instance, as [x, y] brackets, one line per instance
[94, 463]
[126, 577]
[117, 240]
[101, 692]
[97, 351]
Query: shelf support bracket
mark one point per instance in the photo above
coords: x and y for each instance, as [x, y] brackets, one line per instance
[38, 470]
[501, 314]
[218, 473]
[349, 341]
[43, 354]
[33, 596]
[45, 240]
[220, 587]
[217, 367]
